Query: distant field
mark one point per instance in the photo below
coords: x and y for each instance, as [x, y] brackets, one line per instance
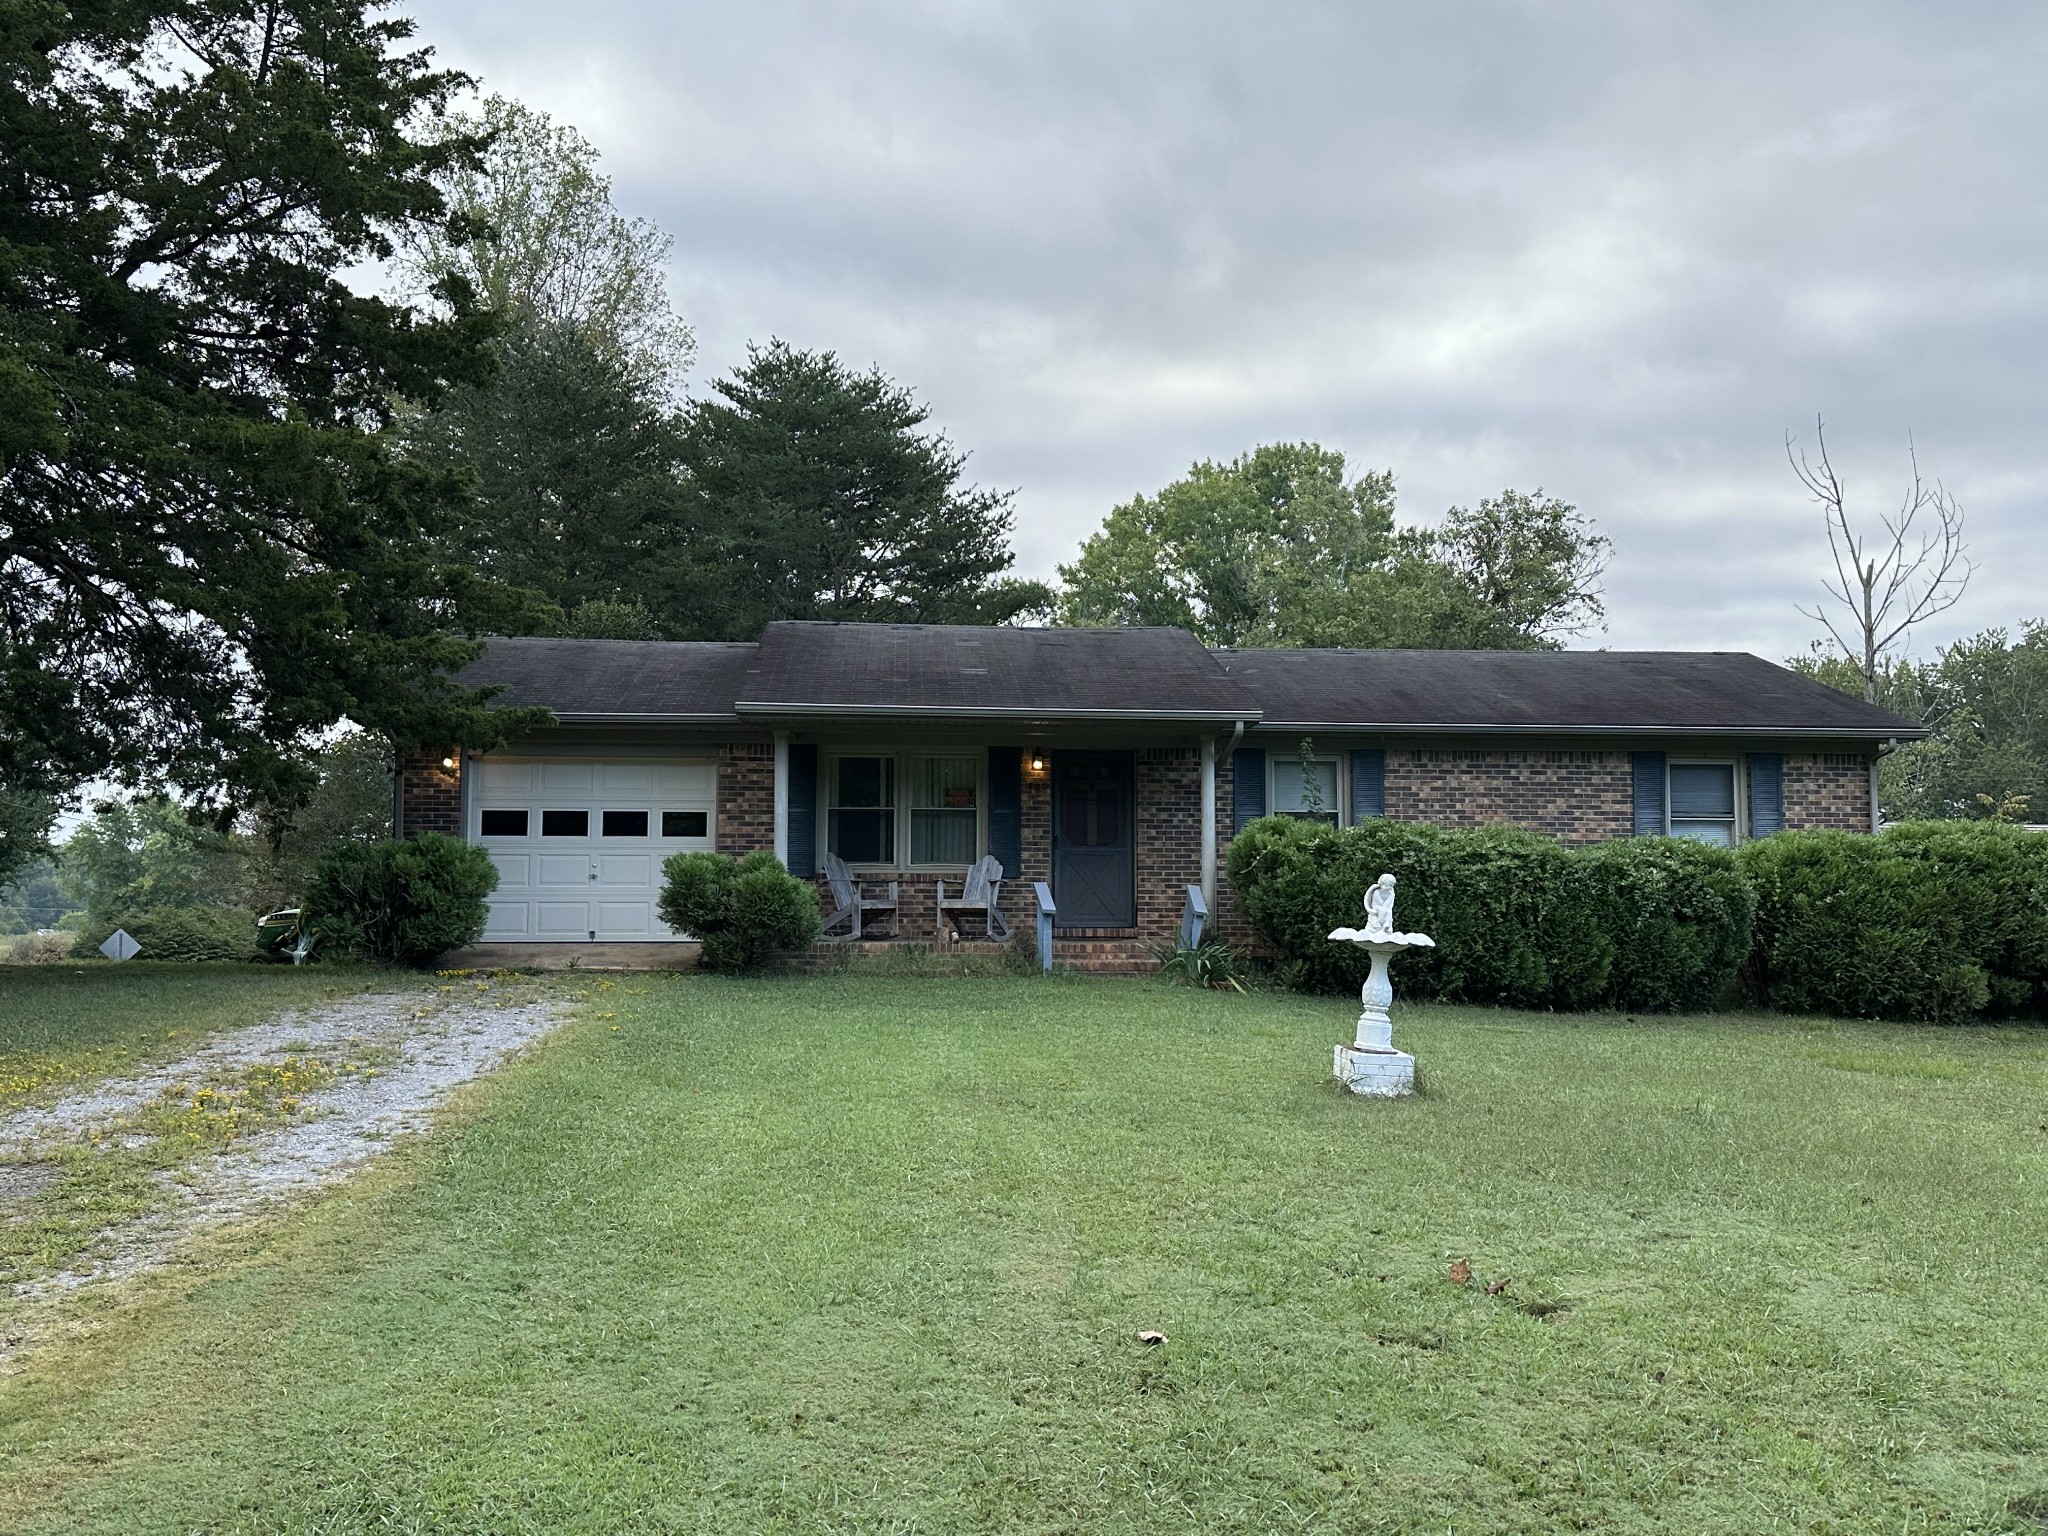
[871, 1255]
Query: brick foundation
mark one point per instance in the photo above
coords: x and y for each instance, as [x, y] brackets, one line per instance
[1827, 789]
[429, 795]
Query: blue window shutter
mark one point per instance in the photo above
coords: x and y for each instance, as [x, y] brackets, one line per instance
[1247, 786]
[1368, 784]
[803, 811]
[1766, 793]
[1649, 772]
[1006, 809]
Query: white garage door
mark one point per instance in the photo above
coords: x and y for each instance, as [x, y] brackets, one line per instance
[579, 842]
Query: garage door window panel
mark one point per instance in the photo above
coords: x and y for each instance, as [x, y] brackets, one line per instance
[624, 823]
[685, 824]
[503, 823]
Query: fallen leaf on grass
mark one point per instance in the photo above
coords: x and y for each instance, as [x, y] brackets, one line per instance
[1495, 1287]
[1461, 1272]
[1151, 1336]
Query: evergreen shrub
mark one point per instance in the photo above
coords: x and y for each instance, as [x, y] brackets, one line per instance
[743, 911]
[1518, 919]
[1941, 921]
[175, 933]
[403, 902]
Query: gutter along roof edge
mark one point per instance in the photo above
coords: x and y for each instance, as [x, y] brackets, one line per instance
[759, 707]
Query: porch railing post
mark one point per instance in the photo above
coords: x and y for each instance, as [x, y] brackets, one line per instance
[1046, 911]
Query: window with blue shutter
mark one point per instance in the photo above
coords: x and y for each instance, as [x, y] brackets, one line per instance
[803, 811]
[1006, 809]
[1248, 786]
[1649, 777]
[1766, 793]
[1368, 784]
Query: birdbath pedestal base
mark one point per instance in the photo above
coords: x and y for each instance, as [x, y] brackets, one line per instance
[1370, 1064]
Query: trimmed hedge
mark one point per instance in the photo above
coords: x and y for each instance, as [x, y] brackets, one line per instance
[176, 933]
[1654, 924]
[743, 911]
[400, 902]
[1942, 921]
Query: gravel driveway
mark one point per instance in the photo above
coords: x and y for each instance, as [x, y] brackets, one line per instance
[412, 1050]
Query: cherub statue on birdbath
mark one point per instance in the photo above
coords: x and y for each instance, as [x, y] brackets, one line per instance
[1371, 1064]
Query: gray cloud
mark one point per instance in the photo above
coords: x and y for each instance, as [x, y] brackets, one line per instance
[1613, 249]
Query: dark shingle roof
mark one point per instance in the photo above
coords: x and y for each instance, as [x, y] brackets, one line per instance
[944, 671]
[615, 679]
[975, 670]
[1659, 691]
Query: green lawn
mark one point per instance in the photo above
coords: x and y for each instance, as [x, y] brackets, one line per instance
[864, 1255]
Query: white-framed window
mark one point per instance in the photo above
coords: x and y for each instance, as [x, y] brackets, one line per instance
[860, 818]
[1702, 801]
[945, 810]
[904, 810]
[1305, 791]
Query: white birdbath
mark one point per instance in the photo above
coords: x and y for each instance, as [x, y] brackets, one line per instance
[1371, 1064]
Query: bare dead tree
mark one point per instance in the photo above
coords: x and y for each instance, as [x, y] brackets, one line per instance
[1884, 583]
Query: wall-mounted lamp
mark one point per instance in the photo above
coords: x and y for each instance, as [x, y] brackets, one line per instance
[1038, 762]
[448, 763]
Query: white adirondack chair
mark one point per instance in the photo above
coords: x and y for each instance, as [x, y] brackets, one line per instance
[853, 900]
[979, 894]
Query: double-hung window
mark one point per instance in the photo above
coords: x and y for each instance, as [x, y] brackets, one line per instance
[1307, 791]
[861, 811]
[906, 810]
[1702, 802]
[944, 816]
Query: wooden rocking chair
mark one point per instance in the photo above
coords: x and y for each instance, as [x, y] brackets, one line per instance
[980, 894]
[853, 900]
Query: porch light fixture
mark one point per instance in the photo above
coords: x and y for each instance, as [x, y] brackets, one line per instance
[448, 763]
[1038, 762]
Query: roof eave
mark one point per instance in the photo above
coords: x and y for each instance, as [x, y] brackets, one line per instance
[762, 709]
[1440, 728]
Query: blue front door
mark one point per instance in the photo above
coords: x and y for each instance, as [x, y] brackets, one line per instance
[1093, 840]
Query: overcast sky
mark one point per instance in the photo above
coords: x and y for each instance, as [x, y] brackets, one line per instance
[1613, 250]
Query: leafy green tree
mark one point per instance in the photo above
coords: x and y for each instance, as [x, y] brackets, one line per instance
[25, 822]
[34, 901]
[352, 803]
[816, 496]
[570, 448]
[1280, 547]
[210, 556]
[1985, 701]
[132, 855]
[1532, 560]
[537, 237]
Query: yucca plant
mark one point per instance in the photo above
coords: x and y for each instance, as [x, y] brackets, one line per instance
[1211, 965]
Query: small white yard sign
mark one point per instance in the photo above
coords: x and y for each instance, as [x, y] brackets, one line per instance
[120, 945]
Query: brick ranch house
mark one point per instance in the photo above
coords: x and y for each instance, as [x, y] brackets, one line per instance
[1113, 764]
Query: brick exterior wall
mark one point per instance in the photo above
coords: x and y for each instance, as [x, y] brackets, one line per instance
[1169, 829]
[746, 797]
[1576, 797]
[430, 796]
[1827, 789]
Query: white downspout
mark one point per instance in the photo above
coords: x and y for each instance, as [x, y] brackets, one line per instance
[782, 797]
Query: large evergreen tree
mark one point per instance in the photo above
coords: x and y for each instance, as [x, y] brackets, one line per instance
[206, 554]
[816, 496]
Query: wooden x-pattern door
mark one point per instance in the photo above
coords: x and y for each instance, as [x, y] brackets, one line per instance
[1093, 840]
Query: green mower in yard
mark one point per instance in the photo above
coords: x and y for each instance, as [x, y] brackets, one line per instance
[284, 935]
